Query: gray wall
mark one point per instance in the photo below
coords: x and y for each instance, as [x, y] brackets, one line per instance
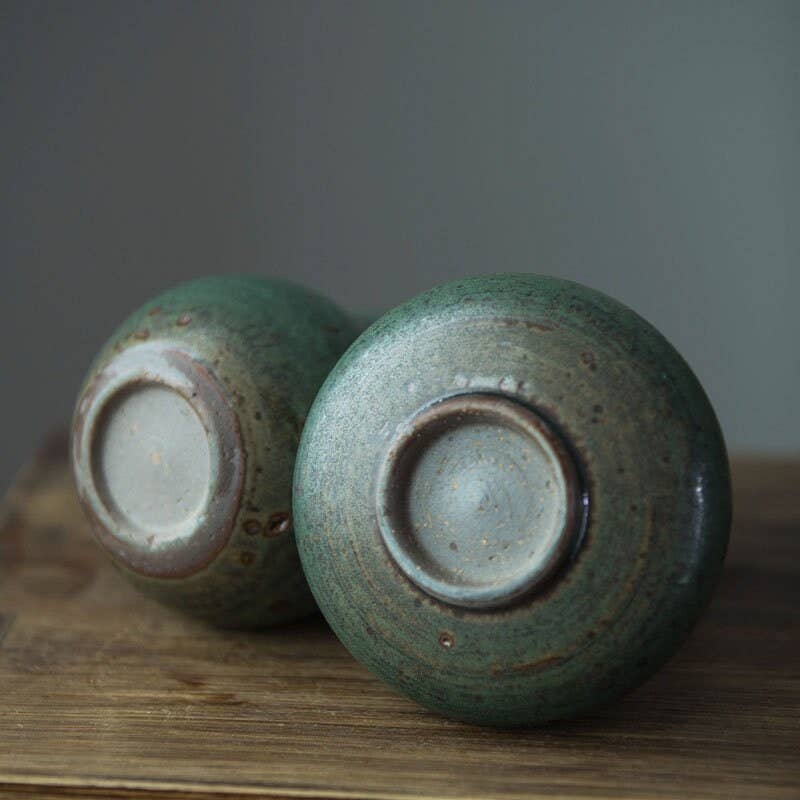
[374, 149]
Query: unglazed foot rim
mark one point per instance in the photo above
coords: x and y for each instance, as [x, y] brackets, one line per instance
[479, 501]
[158, 460]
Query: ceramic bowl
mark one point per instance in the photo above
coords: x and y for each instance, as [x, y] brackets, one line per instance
[512, 499]
[184, 441]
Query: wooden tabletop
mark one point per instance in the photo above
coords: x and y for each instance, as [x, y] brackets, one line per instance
[104, 693]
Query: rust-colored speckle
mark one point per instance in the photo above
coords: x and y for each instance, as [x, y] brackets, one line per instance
[252, 527]
[279, 523]
[447, 640]
[153, 311]
[142, 334]
[543, 327]
[332, 329]
[183, 320]
[528, 667]
[247, 558]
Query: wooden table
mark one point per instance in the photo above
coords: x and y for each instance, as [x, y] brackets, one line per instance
[106, 694]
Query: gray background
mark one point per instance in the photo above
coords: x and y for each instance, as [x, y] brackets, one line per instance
[373, 149]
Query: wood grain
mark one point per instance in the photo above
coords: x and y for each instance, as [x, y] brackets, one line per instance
[105, 694]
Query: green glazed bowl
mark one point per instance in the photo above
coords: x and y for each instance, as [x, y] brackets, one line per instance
[184, 441]
[512, 499]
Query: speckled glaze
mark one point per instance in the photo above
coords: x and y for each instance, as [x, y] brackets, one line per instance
[246, 355]
[631, 495]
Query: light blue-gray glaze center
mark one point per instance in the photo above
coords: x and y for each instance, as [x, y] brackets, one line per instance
[475, 504]
[151, 462]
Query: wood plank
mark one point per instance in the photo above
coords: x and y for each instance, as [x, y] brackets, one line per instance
[103, 693]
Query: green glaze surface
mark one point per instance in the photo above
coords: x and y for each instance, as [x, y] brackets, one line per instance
[511, 568]
[184, 443]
